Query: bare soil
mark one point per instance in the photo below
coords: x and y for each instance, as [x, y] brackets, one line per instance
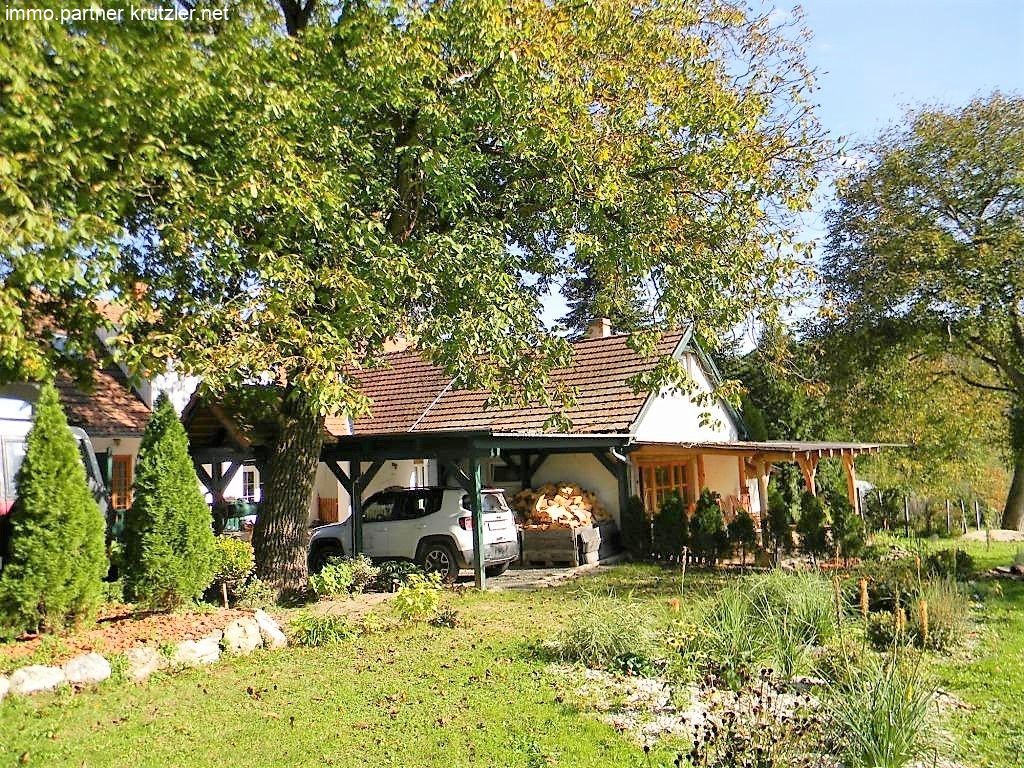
[118, 628]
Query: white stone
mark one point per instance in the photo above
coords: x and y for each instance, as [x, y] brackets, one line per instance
[194, 653]
[36, 679]
[4, 686]
[87, 669]
[273, 637]
[241, 636]
[143, 662]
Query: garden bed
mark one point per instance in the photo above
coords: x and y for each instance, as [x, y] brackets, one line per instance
[118, 628]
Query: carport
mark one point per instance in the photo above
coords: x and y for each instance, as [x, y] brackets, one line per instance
[458, 456]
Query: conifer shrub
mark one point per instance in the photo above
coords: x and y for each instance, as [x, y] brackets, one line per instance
[812, 525]
[636, 529]
[848, 531]
[742, 534]
[170, 552]
[56, 560]
[671, 529]
[707, 529]
[779, 521]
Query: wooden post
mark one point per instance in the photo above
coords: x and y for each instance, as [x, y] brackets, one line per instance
[906, 515]
[851, 481]
[949, 521]
[478, 523]
[355, 470]
[701, 480]
[977, 514]
[809, 468]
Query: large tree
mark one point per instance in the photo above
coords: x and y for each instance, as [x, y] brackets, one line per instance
[925, 250]
[341, 173]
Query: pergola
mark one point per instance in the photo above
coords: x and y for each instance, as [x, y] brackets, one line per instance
[762, 454]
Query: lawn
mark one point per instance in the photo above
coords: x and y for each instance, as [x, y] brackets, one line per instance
[477, 695]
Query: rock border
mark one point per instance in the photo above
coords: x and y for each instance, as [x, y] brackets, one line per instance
[240, 637]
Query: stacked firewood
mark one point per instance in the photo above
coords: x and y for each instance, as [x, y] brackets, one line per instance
[561, 505]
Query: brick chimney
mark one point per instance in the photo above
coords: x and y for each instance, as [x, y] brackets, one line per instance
[599, 328]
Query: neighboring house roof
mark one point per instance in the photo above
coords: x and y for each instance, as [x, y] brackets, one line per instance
[412, 395]
[109, 407]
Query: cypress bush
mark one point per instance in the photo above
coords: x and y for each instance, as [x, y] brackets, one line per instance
[848, 533]
[671, 529]
[707, 529]
[779, 521]
[743, 534]
[636, 529]
[812, 525]
[57, 559]
[170, 551]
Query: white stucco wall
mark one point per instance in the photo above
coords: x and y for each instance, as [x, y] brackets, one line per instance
[675, 417]
[118, 446]
[584, 470]
[722, 475]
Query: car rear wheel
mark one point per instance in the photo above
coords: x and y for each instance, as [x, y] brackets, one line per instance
[438, 557]
[322, 554]
[496, 570]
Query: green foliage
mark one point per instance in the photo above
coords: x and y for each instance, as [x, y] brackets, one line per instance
[949, 612]
[171, 554]
[255, 593]
[671, 529]
[879, 715]
[771, 619]
[891, 583]
[779, 521]
[636, 529]
[234, 558]
[418, 598]
[848, 532]
[315, 630]
[445, 617]
[343, 576]
[393, 574]
[928, 218]
[707, 529]
[601, 633]
[742, 533]
[57, 561]
[812, 525]
[953, 563]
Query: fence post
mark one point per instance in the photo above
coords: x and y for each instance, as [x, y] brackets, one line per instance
[963, 516]
[949, 522]
[977, 514]
[906, 515]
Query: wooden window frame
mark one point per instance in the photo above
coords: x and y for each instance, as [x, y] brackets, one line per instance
[122, 475]
[678, 476]
[248, 472]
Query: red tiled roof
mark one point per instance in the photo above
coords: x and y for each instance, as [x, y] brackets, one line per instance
[412, 395]
[110, 407]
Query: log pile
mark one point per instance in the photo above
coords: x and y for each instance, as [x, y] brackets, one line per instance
[561, 505]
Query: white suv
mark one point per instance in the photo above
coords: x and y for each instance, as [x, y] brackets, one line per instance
[431, 526]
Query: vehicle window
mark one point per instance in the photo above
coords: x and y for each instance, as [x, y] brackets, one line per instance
[379, 508]
[420, 503]
[489, 502]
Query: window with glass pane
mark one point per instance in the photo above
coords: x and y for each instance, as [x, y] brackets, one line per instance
[658, 481]
[121, 482]
[249, 484]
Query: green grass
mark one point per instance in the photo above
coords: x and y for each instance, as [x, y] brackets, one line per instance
[478, 695]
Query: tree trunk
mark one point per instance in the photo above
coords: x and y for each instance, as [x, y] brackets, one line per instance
[281, 534]
[1013, 513]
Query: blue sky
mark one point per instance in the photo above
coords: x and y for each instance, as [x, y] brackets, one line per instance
[877, 57]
